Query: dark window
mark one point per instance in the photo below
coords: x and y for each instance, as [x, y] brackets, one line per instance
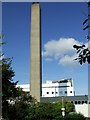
[70, 91]
[47, 92]
[79, 102]
[56, 92]
[86, 102]
[75, 102]
[52, 92]
[82, 102]
[71, 101]
[65, 92]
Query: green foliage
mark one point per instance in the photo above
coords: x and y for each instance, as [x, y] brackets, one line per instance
[69, 107]
[23, 96]
[48, 111]
[57, 109]
[18, 111]
[41, 111]
[74, 116]
[8, 86]
[21, 108]
[15, 102]
[21, 100]
[31, 113]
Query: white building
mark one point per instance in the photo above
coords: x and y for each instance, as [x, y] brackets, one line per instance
[25, 87]
[84, 109]
[54, 88]
[58, 88]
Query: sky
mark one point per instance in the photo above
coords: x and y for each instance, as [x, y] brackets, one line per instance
[61, 28]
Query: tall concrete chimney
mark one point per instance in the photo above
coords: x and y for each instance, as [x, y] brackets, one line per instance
[35, 52]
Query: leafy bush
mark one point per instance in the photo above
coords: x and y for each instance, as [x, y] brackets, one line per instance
[75, 116]
[41, 111]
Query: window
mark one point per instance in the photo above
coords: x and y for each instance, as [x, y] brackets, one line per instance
[79, 102]
[47, 92]
[65, 92]
[52, 92]
[61, 92]
[75, 102]
[82, 102]
[71, 101]
[70, 91]
[56, 92]
[86, 102]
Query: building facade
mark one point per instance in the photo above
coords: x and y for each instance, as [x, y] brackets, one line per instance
[54, 88]
[57, 88]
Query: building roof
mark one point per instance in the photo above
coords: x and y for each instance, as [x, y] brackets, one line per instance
[69, 98]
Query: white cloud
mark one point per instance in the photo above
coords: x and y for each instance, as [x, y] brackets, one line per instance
[62, 50]
[68, 60]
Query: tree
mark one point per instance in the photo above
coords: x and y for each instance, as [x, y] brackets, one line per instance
[69, 107]
[48, 111]
[82, 51]
[9, 90]
[8, 86]
[15, 102]
[18, 111]
[41, 111]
